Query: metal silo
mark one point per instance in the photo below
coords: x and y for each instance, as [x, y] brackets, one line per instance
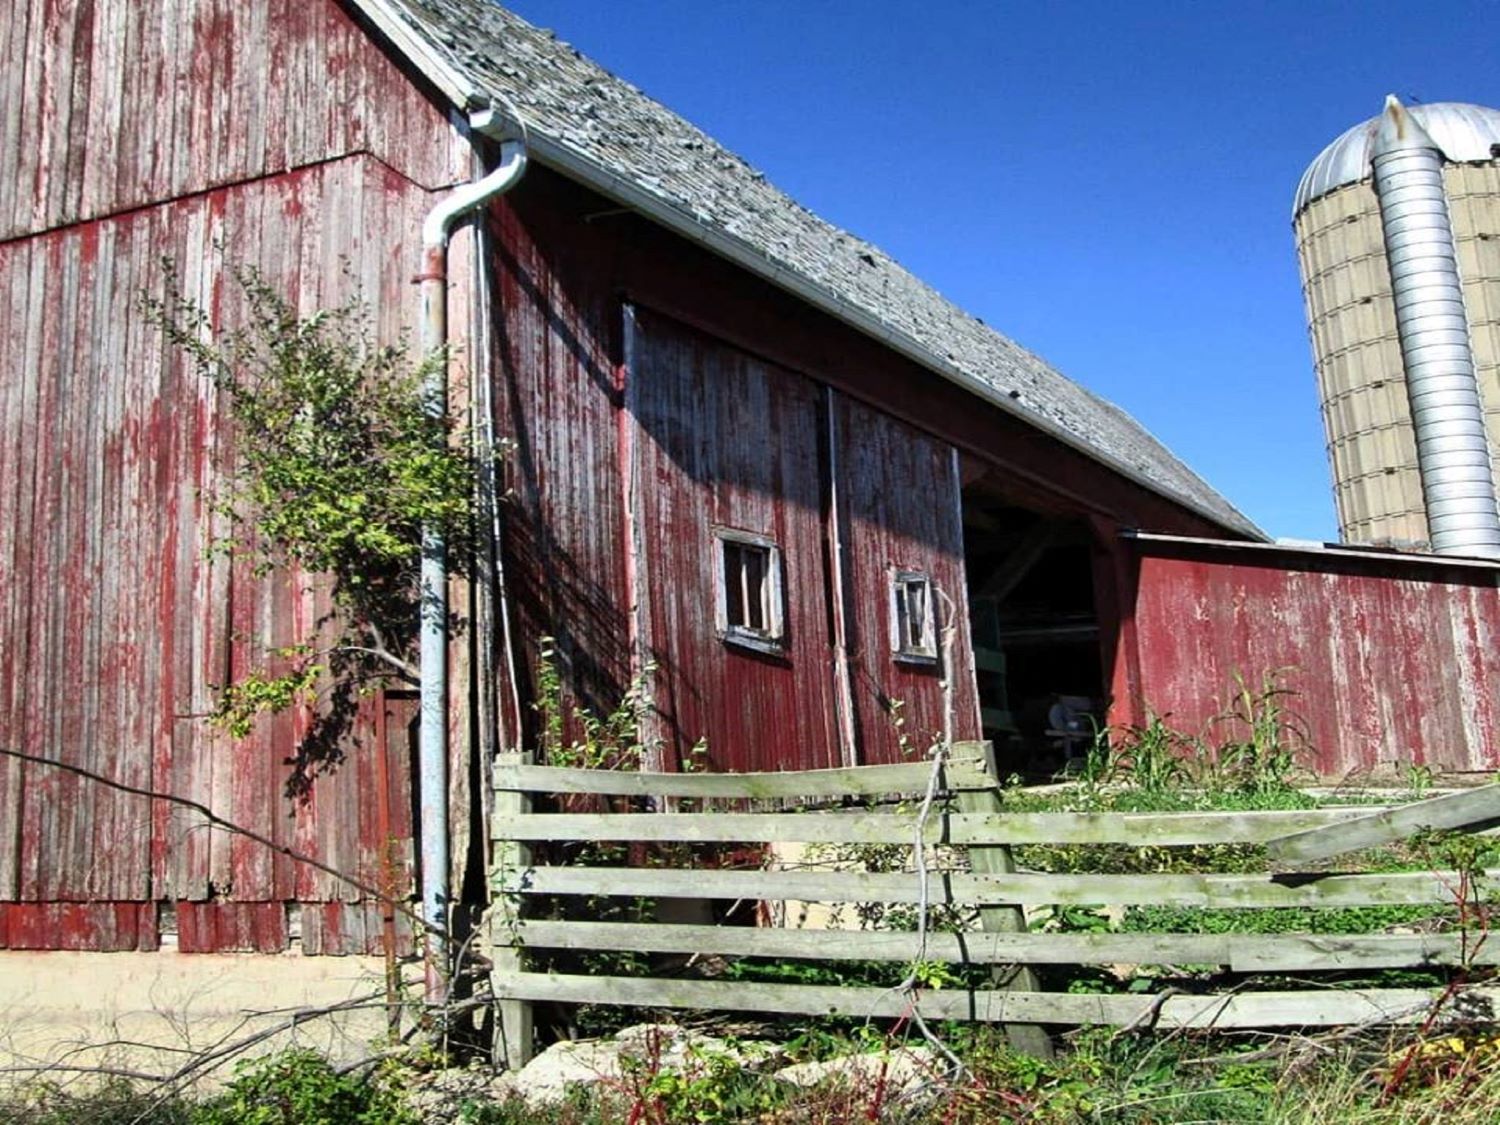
[1440, 179]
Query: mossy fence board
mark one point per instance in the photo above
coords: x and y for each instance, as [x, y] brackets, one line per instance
[1308, 1008]
[896, 826]
[1240, 953]
[1024, 888]
[970, 829]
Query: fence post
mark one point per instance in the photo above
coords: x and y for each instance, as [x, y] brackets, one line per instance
[513, 1029]
[972, 771]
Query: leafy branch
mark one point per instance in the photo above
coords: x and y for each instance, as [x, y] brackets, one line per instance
[334, 468]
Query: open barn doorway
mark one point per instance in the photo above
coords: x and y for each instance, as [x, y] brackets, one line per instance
[1035, 630]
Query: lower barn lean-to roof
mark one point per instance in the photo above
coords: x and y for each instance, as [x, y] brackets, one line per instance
[605, 133]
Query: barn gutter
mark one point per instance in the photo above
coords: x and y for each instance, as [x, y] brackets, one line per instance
[432, 739]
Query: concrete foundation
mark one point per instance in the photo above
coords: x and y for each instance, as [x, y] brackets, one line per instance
[68, 1013]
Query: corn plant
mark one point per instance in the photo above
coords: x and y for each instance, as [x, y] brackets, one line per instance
[1262, 738]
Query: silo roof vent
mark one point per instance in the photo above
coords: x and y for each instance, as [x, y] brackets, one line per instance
[1463, 132]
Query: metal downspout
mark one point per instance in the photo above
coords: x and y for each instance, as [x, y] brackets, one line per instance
[1453, 453]
[432, 739]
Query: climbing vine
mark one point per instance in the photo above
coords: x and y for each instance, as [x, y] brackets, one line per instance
[333, 468]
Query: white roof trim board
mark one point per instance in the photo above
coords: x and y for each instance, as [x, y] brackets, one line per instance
[1312, 550]
[605, 133]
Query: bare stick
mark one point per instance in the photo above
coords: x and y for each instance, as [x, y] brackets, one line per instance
[218, 821]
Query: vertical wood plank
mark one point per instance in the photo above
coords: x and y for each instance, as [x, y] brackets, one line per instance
[14, 514]
[463, 264]
[513, 1018]
[974, 762]
[1115, 598]
[841, 609]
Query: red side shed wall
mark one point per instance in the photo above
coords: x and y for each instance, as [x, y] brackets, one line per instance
[1392, 661]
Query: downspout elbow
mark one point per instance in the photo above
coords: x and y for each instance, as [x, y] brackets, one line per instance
[438, 225]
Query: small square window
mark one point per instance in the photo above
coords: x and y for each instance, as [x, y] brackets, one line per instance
[913, 623]
[749, 608]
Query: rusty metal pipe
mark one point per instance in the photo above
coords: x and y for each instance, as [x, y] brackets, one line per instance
[432, 729]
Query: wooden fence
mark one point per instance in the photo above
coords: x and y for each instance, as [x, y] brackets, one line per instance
[968, 823]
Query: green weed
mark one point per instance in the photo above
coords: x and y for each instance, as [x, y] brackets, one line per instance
[300, 1087]
[1260, 738]
[573, 735]
[113, 1101]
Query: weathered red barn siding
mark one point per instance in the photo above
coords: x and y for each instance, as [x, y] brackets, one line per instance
[556, 374]
[107, 105]
[567, 264]
[216, 135]
[723, 440]
[1392, 660]
[109, 455]
[899, 508]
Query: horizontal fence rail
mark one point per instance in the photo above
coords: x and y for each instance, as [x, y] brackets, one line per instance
[1311, 1008]
[898, 827]
[854, 781]
[1224, 892]
[1240, 953]
[970, 835]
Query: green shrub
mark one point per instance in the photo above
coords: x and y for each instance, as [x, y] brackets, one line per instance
[300, 1087]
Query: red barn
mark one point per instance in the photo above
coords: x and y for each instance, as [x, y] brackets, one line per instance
[753, 461]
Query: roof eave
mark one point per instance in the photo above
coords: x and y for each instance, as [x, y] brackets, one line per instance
[1314, 550]
[451, 82]
[622, 190]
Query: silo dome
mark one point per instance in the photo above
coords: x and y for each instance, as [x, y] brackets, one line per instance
[1397, 225]
[1464, 132]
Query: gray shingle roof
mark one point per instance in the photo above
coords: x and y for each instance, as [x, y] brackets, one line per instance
[600, 129]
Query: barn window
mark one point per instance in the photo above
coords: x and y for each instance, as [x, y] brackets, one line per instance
[913, 627]
[749, 607]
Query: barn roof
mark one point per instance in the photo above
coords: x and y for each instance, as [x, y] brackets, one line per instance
[602, 131]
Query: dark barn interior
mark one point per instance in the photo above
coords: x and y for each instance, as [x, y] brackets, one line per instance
[1036, 628]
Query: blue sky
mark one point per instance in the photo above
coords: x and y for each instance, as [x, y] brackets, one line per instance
[1109, 184]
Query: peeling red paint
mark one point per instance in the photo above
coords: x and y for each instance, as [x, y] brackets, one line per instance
[214, 135]
[232, 927]
[103, 926]
[1393, 662]
[723, 440]
[135, 104]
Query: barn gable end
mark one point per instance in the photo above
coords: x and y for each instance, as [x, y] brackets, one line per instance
[215, 136]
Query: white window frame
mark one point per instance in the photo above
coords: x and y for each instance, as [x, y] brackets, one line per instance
[771, 638]
[904, 646]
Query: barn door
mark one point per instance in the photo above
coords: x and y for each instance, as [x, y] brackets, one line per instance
[727, 556]
[905, 619]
